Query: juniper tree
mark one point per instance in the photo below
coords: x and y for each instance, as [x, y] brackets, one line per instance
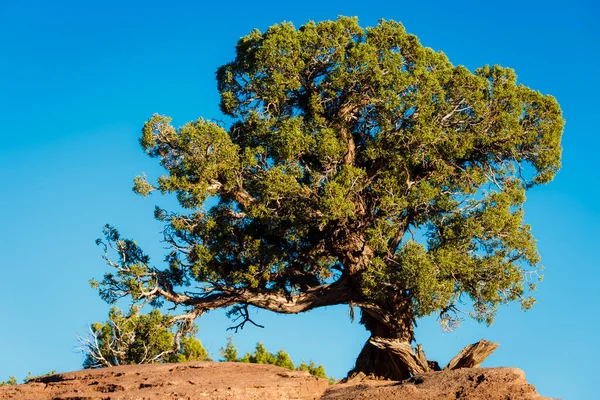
[135, 338]
[357, 167]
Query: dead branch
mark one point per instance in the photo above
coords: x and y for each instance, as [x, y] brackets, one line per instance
[473, 355]
[243, 314]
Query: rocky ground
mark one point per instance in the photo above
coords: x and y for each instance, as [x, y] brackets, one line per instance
[207, 380]
[466, 383]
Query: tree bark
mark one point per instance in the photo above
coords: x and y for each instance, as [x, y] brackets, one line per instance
[473, 355]
[415, 361]
[379, 360]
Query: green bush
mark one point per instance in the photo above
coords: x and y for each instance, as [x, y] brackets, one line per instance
[280, 359]
[136, 338]
[11, 381]
[313, 369]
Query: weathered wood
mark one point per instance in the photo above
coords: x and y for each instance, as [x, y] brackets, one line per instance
[385, 323]
[473, 355]
[381, 364]
[354, 378]
[421, 357]
[404, 351]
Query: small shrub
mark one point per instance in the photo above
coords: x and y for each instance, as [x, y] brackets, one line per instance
[281, 359]
[11, 381]
[31, 377]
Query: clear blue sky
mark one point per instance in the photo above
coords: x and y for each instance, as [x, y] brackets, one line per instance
[78, 79]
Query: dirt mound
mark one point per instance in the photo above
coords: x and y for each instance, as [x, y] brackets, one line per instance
[198, 380]
[467, 383]
[195, 380]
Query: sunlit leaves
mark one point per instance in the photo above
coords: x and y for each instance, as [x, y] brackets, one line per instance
[135, 338]
[355, 152]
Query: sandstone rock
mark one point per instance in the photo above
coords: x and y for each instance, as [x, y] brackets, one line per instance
[208, 380]
[466, 383]
[195, 380]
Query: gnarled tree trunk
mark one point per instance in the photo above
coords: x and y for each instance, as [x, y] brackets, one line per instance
[380, 362]
[388, 353]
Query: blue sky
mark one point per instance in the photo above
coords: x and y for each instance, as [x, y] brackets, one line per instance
[78, 79]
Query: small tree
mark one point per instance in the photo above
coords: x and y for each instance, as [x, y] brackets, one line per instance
[229, 352]
[137, 338]
[314, 369]
[359, 168]
[262, 356]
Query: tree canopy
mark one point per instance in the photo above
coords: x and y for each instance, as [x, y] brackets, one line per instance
[356, 167]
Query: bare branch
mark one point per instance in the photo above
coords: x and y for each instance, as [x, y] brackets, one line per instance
[244, 315]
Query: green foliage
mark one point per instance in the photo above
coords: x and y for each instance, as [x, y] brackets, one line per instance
[229, 353]
[11, 381]
[136, 338]
[191, 350]
[260, 355]
[31, 377]
[356, 158]
[315, 370]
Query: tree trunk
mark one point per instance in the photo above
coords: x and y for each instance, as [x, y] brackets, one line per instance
[388, 353]
[377, 360]
[414, 360]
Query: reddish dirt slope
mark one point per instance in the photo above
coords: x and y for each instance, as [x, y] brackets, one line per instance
[204, 380]
[195, 380]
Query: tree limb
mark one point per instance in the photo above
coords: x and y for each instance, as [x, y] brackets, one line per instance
[325, 295]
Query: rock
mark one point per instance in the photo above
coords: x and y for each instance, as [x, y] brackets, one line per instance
[208, 380]
[195, 380]
[465, 383]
